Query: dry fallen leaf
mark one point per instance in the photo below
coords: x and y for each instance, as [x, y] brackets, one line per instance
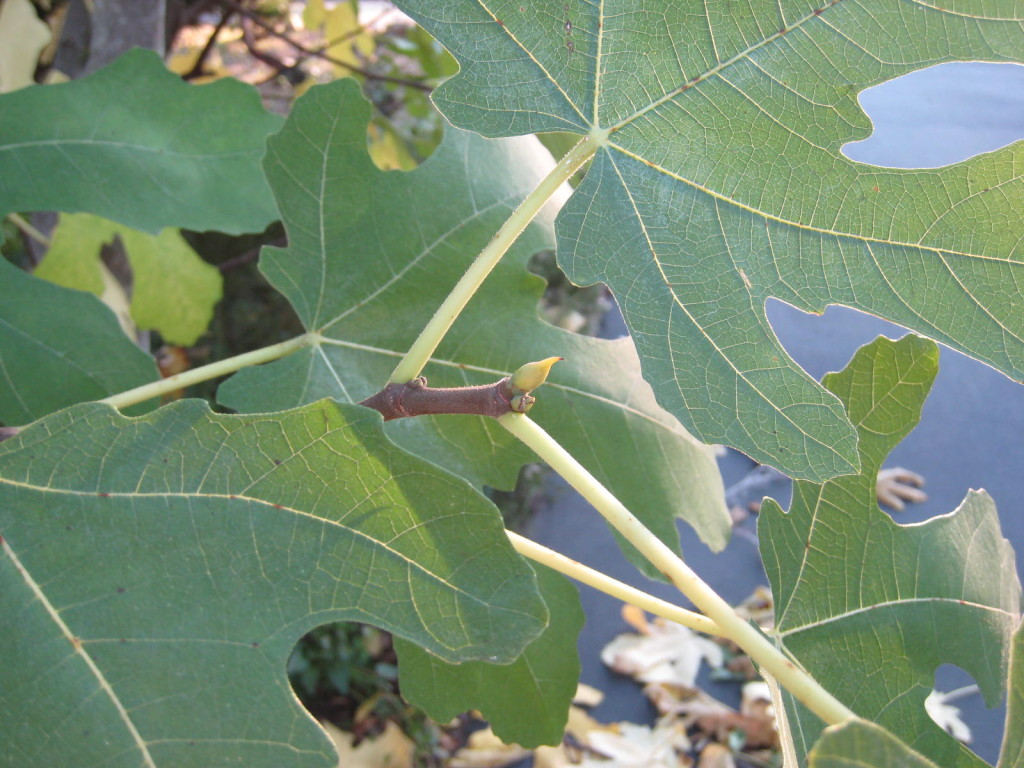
[391, 749]
[946, 716]
[639, 746]
[716, 756]
[664, 652]
[22, 38]
[587, 696]
[485, 750]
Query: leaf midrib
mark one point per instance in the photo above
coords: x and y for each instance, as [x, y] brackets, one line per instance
[280, 508]
[64, 143]
[722, 66]
[953, 601]
[79, 649]
[809, 228]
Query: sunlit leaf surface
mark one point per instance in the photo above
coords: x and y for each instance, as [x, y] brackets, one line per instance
[720, 182]
[871, 608]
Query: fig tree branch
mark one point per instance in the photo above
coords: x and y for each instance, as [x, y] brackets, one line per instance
[415, 398]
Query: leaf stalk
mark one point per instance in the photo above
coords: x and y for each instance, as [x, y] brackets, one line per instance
[604, 583]
[410, 366]
[760, 648]
[207, 372]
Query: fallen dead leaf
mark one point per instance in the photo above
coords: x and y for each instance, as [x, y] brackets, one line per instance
[946, 716]
[485, 750]
[664, 652]
[23, 36]
[391, 749]
[716, 756]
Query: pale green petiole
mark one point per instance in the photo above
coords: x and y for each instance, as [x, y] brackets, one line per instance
[207, 372]
[604, 583]
[801, 685]
[421, 350]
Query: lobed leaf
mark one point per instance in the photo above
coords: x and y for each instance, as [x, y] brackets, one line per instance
[719, 181]
[871, 608]
[59, 347]
[371, 256]
[156, 572]
[135, 144]
[526, 702]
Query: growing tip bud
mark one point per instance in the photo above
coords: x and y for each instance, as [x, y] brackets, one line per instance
[532, 375]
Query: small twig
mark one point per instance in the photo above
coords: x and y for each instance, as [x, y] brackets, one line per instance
[238, 261]
[415, 398]
[28, 229]
[197, 68]
[270, 60]
[242, 10]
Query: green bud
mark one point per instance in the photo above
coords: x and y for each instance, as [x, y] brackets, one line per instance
[522, 403]
[532, 375]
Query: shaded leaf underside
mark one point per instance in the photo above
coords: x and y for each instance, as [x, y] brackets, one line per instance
[43, 366]
[722, 183]
[525, 702]
[203, 546]
[136, 144]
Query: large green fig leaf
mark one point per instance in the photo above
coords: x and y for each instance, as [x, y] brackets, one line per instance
[173, 289]
[156, 572]
[871, 608]
[371, 256]
[59, 347]
[1012, 753]
[135, 144]
[719, 181]
[526, 702]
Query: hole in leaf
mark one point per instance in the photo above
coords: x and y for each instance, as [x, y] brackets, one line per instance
[958, 707]
[567, 306]
[942, 115]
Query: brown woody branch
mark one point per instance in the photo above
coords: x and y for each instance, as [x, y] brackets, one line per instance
[415, 398]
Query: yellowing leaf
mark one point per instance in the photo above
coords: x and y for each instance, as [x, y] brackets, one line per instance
[313, 14]
[22, 38]
[346, 37]
[115, 296]
[173, 289]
